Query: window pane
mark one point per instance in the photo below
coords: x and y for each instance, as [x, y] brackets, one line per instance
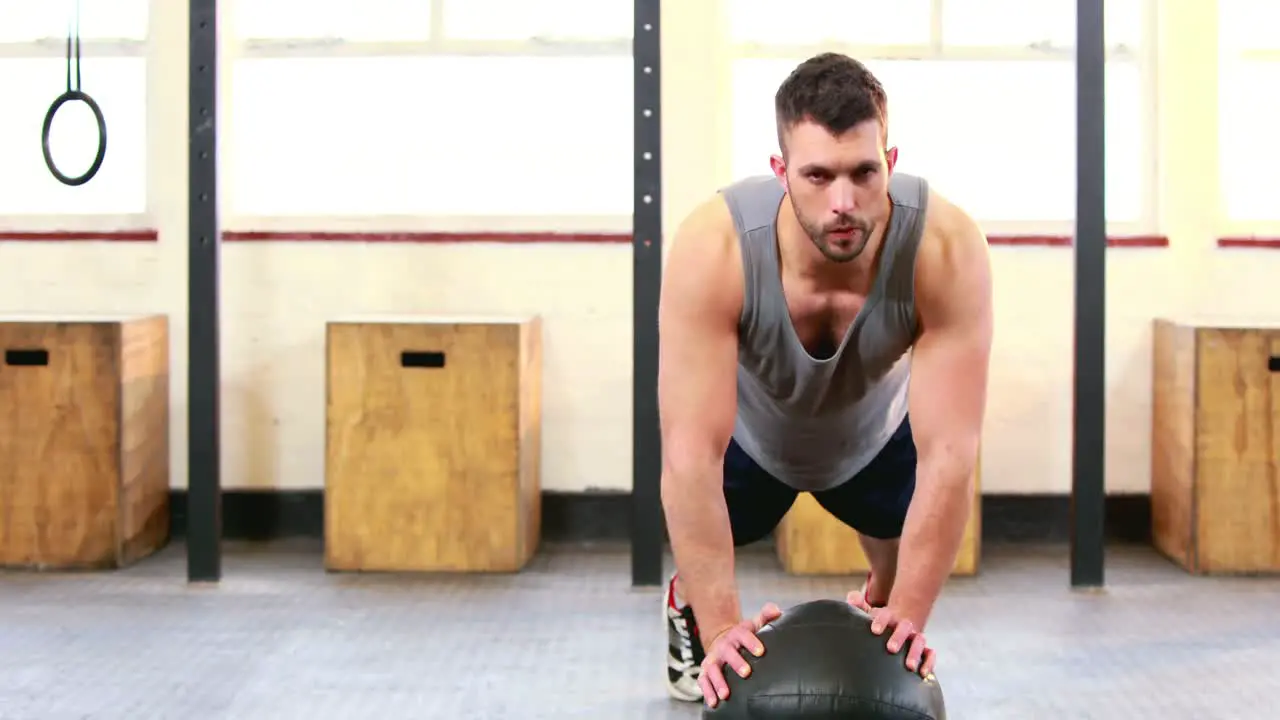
[432, 136]
[1248, 25]
[1010, 157]
[1249, 148]
[29, 86]
[345, 19]
[560, 19]
[1008, 22]
[24, 20]
[855, 22]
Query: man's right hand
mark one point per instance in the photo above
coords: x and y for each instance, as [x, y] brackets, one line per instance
[727, 647]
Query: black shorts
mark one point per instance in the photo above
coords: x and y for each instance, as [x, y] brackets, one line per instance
[874, 502]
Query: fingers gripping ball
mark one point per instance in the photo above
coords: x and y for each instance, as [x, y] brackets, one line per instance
[822, 662]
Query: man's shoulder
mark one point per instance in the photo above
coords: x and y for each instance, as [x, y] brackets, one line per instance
[949, 230]
[704, 257]
[708, 223]
[953, 260]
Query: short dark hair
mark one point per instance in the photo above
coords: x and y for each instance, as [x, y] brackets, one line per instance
[833, 90]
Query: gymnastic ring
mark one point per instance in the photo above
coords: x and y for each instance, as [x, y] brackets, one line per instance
[63, 99]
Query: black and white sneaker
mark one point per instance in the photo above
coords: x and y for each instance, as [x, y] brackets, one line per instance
[684, 647]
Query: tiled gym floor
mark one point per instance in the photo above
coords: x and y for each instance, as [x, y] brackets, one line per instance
[568, 638]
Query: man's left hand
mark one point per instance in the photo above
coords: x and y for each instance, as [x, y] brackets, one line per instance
[919, 657]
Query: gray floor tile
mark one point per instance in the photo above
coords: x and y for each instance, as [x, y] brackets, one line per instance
[568, 638]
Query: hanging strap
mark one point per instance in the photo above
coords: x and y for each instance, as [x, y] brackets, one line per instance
[73, 35]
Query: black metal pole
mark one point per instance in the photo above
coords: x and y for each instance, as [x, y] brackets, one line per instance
[1088, 487]
[647, 526]
[204, 494]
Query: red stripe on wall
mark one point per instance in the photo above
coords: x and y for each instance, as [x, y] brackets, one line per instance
[1127, 241]
[1030, 240]
[145, 235]
[152, 235]
[1138, 241]
[1253, 241]
[422, 237]
[1065, 241]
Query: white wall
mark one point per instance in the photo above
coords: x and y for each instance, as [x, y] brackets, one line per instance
[278, 295]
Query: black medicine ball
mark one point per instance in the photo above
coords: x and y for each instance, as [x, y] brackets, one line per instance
[822, 662]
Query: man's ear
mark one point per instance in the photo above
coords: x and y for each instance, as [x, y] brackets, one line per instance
[891, 157]
[779, 170]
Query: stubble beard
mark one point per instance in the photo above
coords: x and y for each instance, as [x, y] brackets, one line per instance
[840, 251]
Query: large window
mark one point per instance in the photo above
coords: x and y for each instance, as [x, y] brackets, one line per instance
[1012, 23]
[33, 72]
[1248, 106]
[374, 20]
[984, 109]
[580, 20]
[460, 108]
[910, 24]
[851, 22]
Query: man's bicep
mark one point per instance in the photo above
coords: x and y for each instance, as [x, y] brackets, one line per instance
[951, 359]
[949, 388]
[697, 390]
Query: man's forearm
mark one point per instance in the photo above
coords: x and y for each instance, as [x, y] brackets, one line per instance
[702, 542]
[932, 534]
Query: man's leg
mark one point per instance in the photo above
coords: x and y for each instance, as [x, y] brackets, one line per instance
[874, 503]
[757, 502]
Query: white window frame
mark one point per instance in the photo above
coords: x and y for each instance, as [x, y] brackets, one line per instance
[91, 48]
[1250, 228]
[1145, 58]
[439, 43]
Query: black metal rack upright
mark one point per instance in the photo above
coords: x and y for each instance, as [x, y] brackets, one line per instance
[204, 487]
[647, 526]
[1088, 485]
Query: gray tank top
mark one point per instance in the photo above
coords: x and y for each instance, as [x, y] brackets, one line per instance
[813, 423]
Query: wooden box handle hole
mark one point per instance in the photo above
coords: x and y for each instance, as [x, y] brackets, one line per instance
[421, 359]
[24, 357]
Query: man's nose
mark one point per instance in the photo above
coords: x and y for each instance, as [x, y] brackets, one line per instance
[842, 198]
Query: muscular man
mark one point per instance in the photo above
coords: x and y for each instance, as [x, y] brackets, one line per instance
[803, 318]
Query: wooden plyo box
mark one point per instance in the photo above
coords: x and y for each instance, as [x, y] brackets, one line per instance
[84, 440]
[1215, 445]
[433, 444]
[811, 541]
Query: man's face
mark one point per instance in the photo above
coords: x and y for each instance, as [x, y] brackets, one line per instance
[839, 185]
